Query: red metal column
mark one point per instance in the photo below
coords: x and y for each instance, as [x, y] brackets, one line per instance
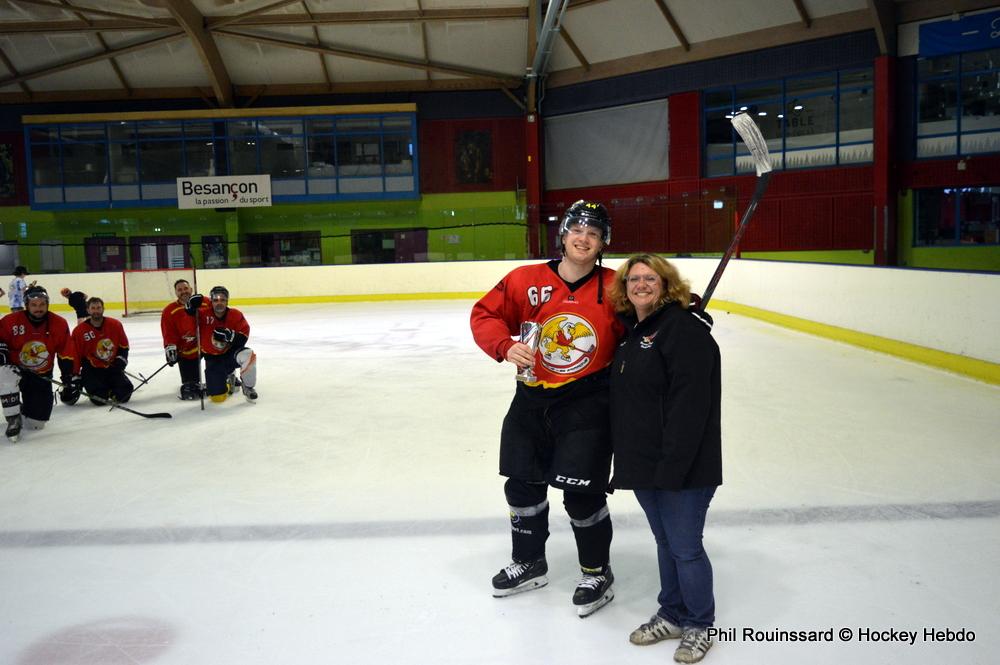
[533, 186]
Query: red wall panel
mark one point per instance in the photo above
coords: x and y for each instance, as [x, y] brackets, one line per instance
[437, 154]
[806, 223]
[684, 113]
[852, 222]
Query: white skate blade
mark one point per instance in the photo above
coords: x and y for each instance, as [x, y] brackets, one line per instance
[536, 583]
[586, 610]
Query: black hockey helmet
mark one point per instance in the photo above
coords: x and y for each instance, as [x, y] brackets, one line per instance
[587, 213]
[218, 290]
[33, 292]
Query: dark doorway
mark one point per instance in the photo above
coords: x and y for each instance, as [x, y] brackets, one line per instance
[104, 254]
[389, 246]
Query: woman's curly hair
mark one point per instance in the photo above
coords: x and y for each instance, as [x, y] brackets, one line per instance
[675, 288]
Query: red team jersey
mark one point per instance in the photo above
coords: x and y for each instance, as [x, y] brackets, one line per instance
[578, 335]
[36, 347]
[99, 346]
[233, 320]
[178, 329]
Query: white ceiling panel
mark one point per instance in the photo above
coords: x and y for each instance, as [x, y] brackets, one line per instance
[481, 4]
[611, 30]
[99, 76]
[702, 20]
[166, 65]
[264, 64]
[29, 53]
[494, 46]
[390, 39]
[821, 8]
[348, 70]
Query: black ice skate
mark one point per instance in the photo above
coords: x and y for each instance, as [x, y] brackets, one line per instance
[190, 391]
[594, 590]
[13, 428]
[249, 393]
[232, 383]
[520, 576]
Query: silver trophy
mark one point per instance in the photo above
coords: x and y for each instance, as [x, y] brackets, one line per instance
[530, 333]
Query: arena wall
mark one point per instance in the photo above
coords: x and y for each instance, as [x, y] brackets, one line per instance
[945, 319]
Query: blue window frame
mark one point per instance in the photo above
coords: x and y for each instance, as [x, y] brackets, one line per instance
[812, 121]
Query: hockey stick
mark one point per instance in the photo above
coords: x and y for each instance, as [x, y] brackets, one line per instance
[143, 380]
[755, 142]
[107, 402]
[197, 330]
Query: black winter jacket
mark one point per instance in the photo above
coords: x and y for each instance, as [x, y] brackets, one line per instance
[666, 390]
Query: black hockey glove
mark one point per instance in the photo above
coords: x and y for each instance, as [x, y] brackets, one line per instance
[171, 351]
[194, 303]
[72, 386]
[119, 363]
[3, 353]
[224, 335]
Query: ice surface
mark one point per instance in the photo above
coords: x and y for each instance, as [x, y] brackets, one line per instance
[354, 514]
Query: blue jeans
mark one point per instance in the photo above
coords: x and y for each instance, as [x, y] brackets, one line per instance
[677, 519]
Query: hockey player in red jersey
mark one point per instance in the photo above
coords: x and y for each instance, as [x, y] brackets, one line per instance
[224, 333]
[33, 342]
[180, 345]
[102, 346]
[556, 431]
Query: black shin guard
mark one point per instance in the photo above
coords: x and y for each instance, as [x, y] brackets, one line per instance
[529, 519]
[591, 527]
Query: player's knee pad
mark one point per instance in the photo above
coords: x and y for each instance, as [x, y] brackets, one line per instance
[248, 366]
[523, 493]
[31, 423]
[585, 509]
[10, 380]
[10, 393]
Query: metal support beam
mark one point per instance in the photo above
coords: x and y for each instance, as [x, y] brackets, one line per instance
[678, 33]
[884, 21]
[803, 13]
[575, 49]
[194, 25]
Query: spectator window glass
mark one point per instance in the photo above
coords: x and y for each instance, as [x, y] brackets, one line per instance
[135, 161]
[957, 216]
[819, 120]
[958, 104]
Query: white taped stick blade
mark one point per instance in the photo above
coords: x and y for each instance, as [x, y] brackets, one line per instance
[754, 140]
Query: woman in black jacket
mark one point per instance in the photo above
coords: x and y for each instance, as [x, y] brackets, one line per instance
[666, 432]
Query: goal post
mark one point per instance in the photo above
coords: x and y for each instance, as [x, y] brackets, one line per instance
[149, 291]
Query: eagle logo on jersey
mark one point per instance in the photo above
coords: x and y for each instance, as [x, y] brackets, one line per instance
[34, 355]
[105, 350]
[567, 343]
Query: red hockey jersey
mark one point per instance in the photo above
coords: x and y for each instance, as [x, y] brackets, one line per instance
[100, 346]
[38, 347]
[233, 319]
[178, 329]
[578, 334]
